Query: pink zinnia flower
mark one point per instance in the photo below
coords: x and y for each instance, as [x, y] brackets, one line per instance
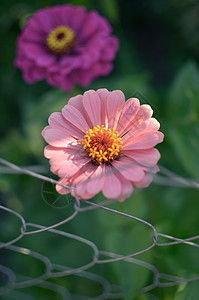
[66, 45]
[99, 142]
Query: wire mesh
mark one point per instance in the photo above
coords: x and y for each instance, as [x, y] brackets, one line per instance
[13, 283]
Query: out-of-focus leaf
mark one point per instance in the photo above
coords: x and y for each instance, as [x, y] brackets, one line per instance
[185, 141]
[183, 112]
[123, 235]
[14, 147]
[183, 102]
[111, 10]
[132, 277]
[36, 116]
[189, 291]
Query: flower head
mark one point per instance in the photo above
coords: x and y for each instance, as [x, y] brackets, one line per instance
[66, 45]
[99, 142]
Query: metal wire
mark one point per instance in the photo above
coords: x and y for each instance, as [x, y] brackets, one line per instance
[15, 282]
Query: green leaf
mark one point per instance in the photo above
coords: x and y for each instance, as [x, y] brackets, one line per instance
[123, 235]
[185, 141]
[183, 102]
[183, 113]
[36, 116]
[111, 10]
[188, 291]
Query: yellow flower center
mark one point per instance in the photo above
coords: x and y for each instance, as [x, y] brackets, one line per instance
[102, 145]
[60, 39]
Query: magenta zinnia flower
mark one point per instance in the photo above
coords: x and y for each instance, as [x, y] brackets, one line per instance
[66, 45]
[99, 142]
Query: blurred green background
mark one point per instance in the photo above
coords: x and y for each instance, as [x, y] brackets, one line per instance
[158, 63]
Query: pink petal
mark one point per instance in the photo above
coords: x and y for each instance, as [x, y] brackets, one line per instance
[51, 152]
[145, 141]
[147, 157]
[61, 189]
[128, 168]
[145, 182]
[56, 137]
[80, 182]
[112, 186]
[136, 130]
[148, 126]
[81, 193]
[153, 125]
[92, 105]
[103, 94]
[58, 156]
[143, 114]
[77, 102]
[115, 102]
[129, 111]
[75, 117]
[127, 188]
[56, 120]
[96, 181]
[72, 166]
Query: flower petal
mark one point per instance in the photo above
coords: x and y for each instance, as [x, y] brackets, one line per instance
[92, 105]
[72, 166]
[44, 20]
[152, 125]
[96, 181]
[112, 186]
[89, 27]
[129, 111]
[91, 55]
[145, 141]
[127, 188]
[73, 115]
[79, 183]
[136, 131]
[129, 169]
[56, 120]
[103, 94]
[78, 18]
[56, 137]
[115, 102]
[143, 114]
[61, 189]
[67, 82]
[39, 54]
[147, 157]
[145, 182]
[52, 152]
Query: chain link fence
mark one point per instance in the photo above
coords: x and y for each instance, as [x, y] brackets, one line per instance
[12, 283]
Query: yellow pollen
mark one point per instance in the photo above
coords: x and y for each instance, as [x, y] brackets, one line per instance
[140, 121]
[102, 145]
[60, 39]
